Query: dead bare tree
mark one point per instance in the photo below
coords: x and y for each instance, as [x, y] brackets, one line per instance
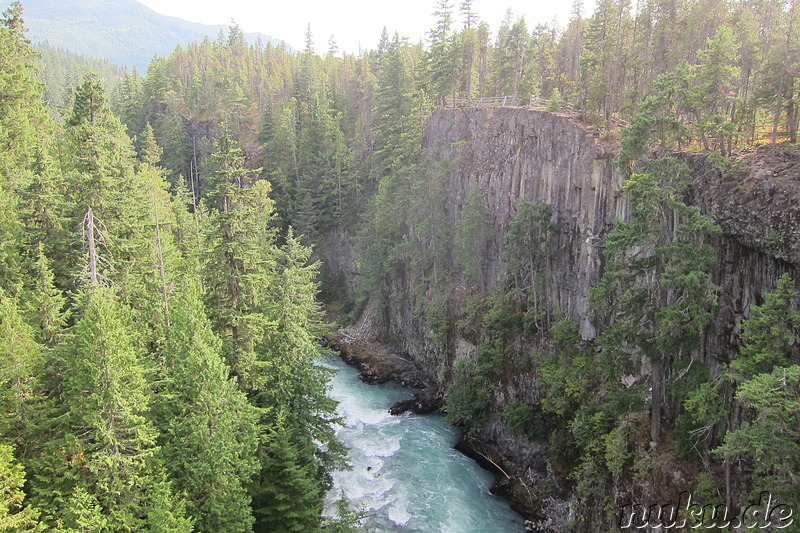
[94, 235]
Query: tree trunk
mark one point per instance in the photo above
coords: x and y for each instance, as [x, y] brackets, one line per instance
[778, 108]
[656, 401]
[161, 262]
[791, 114]
[92, 248]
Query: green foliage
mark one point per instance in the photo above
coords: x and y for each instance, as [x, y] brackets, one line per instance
[528, 241]
[208, 429]
[21, 366]
[526, 420]
[469, 395]
[706, 402]
[617, 452]
[770, 386]
[473, 233]
[14, 516]
[238, 241]
[503, 318]
[115, 392]
[104, 362]
[24, 135]
[773, 239]
[567, 374]
[771, 440]
[645, 262]
[290, 498]
[590, 425]
[346, 520]
[729, 169]
[471, 316]
[770, 332]
[47, 302]
[10, 253]
[340, 138]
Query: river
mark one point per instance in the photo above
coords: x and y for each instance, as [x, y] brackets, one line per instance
[406, 475]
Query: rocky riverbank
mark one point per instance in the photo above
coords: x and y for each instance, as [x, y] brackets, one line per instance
[377, 363]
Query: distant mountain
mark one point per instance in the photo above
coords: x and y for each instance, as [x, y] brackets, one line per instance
[124, 32]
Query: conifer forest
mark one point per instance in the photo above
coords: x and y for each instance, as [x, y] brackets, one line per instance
[180, 248]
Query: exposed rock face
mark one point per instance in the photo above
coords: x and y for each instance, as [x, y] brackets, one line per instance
[516, 154]
[759, 213]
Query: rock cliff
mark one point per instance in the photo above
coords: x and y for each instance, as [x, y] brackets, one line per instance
[513, 154]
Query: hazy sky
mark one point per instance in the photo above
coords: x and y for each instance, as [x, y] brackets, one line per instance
[351, 22]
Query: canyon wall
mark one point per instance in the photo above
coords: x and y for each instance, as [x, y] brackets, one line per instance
[513, 154]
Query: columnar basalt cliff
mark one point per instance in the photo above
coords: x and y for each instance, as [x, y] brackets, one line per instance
[515, 154]
[512, 155]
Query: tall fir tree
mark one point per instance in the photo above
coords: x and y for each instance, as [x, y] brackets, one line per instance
[208, 429]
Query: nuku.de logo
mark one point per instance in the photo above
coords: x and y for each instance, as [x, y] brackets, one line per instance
[689, 514]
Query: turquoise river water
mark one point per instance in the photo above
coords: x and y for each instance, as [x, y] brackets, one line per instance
[406, 475]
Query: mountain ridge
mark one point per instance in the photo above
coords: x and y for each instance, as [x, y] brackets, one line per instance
[124, 32]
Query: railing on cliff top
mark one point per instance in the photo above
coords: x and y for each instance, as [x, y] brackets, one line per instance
[536, 102]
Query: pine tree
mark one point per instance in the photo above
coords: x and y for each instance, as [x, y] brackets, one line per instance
[510, 60]
[237, 268]
[297, 412]
[11, 240]
[771, 439]
[209, 430]
[162, 252]
[473, 234]
[440, 69]
[21, 366]
[769, 332]
[14, 517]
[288, 497]
[107, 396]
[48, 304]
[717, 72]
[770, 387]
[102, 178]
[392, 107]
[26, 124]
[656, 284]
[323, 178]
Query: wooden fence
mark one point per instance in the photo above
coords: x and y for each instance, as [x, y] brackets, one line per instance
[536, 102]
[481, 101]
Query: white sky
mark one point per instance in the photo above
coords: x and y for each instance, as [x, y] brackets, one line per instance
[351, 22]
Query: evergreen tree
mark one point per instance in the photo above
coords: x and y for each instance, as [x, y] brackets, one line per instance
[102, 178]
[298, 444]
[473, 235]
[237, 268]
[26, 123]
[288, 497]
[21, 366]
[322, 181]
[770, 440]
[770, 387]
[393, 106]
[48, 304]
[769, 332]
[656, 285]
[208, 428]
[109, 439]
[14, 517]
[11, 265]
[440, 69]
